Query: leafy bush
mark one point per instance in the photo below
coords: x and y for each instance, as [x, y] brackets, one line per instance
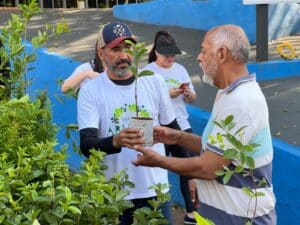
[36, 184]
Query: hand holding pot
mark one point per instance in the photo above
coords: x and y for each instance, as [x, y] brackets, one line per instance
[128, 137]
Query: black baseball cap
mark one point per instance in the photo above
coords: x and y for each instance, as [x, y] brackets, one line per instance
[167, 46]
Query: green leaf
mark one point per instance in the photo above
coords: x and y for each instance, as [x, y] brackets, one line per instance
[250, 162]
[2, 217]
[230, 154]
[134, 70]
[259, 194]
[73, 127]
[231, 126]
[227, 177]
[247, 148]
[218, 124]
[248, 191]
[228, 120]
[219, 172]
[242, 157]
[35, 222]
[263, 182]
[68, 194]
[239, 169]
[74, 210]
[145, 73]
[219, 138]
[239, 130]
[255, 145]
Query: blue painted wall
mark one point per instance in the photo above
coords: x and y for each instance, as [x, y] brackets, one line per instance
[286, 174]
[271, 70]
[284, 19]
[49, 67]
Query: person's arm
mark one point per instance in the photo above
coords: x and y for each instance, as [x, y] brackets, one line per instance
[171, 136]
[89, 139]
[74, 81]
[203, 167]
[110, 145]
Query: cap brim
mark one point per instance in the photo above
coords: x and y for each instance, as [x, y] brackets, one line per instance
[168, 50]
[118, 40]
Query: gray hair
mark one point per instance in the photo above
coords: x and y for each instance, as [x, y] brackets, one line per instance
[235, 40]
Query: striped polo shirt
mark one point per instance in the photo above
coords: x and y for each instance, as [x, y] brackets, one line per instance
[227, 204]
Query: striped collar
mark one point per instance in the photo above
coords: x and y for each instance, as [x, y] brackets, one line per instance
[236, 83]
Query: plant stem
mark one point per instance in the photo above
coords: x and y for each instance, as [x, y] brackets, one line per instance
[136, 97]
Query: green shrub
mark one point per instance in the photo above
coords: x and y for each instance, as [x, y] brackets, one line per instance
[36, 184]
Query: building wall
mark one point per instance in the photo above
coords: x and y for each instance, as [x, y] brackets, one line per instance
[284, 19]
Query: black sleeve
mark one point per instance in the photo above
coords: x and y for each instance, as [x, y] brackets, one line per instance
[89, 139]
[173, 125]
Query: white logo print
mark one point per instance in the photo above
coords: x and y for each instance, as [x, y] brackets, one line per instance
[119, 30]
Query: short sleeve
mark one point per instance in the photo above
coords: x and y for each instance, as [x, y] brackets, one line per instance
[87, 113]
[241, 118]
[166, 112]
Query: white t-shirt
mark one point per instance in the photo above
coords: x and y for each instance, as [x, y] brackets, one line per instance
[108, 107]
[173, 77]
[245, 101]
[81, 68]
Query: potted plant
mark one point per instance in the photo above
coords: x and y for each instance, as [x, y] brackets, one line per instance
[140, 120]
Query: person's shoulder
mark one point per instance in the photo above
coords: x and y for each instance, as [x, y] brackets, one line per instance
[85, 66]
[179, 67]
[149, 66]
[93, 84]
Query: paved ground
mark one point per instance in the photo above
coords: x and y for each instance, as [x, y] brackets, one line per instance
[282, 95]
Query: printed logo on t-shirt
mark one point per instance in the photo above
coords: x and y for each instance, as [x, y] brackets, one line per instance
[122, 115]
[171, 82]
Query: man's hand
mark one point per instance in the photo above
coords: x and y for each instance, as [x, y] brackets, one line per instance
[166, 135]
[148, 157]
[128, 137]
[192, 183]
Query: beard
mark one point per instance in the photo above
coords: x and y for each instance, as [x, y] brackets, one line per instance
[120, 71]
[209, 73]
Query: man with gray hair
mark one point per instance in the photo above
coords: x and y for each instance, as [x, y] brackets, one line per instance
[223, 57]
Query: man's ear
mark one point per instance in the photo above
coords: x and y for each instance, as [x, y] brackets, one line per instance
[100, 52]
[222, 54]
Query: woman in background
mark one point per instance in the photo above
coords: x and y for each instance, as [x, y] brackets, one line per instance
[83, 73]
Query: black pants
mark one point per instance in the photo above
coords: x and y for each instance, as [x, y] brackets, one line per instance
[180, 152]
